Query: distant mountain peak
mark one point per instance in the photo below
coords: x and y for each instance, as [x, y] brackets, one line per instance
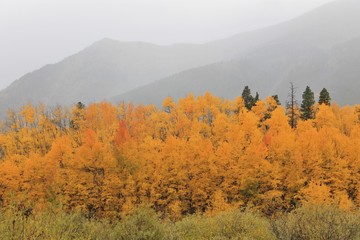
[105, 42]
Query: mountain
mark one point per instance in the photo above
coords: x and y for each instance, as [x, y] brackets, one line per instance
[312, 49]
[319, 49]
[345, 75]
[106, 68]
[269, 73]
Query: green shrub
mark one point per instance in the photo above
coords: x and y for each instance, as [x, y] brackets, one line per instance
[229, 225]
[317, 222]
[313, 222]
[14, 224]
[143, 223]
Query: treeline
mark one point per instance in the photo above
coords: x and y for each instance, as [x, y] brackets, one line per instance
[294, 110]
[202, 155]
[306, 223]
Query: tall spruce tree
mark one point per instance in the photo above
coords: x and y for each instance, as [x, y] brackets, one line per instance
[248, 98]
[324, 97]
[307, 105]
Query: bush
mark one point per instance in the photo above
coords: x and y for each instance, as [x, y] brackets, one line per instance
[14, 224]
[228, 225]
[312, 222]
[317, 222]
[143, 223]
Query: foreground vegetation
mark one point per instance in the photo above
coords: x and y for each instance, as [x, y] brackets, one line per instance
[313, 222]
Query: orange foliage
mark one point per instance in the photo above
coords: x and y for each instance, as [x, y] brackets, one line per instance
[201, 155]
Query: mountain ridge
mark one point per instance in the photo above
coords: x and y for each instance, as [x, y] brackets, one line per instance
[275, 54]
[279, 61]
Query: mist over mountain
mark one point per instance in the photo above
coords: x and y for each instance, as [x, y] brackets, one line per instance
[106, 68]
[320, 49]
[268, 72]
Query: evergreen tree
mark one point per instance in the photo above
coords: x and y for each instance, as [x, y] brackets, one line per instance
[307, 105]
[324, 97]
[80, 105]
[248, 98]
[256, 98]
[276, 98]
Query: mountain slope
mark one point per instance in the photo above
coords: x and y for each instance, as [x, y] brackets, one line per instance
[345, 72]
[106, 68]
[319, 49]
[268, 71]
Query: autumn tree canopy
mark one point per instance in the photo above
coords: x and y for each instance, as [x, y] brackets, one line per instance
[198, 155]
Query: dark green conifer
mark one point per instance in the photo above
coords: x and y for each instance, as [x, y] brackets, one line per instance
[324, 97]
[307, 105]
[257, 98]
[276, 98]
[248, 98]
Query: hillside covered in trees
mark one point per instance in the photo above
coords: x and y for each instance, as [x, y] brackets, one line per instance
[201, 155]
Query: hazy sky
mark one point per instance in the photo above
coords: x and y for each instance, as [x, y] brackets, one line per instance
[36, 32]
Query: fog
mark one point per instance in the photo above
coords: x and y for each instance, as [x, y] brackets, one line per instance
[37, 32]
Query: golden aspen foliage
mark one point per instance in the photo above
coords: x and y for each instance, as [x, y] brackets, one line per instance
[28, 113]
[168, 105]
[198, 155]
[325, 117]
[260, 109]
[316, 193]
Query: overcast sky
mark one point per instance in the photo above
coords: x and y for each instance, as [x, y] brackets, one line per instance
[36, 32]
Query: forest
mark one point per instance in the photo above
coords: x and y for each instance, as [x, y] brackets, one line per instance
[200, 160]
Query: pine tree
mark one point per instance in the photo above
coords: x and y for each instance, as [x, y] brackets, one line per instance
[257, 98]
[307, 105]
[324, 97]
[276, 98]
[248, 98]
